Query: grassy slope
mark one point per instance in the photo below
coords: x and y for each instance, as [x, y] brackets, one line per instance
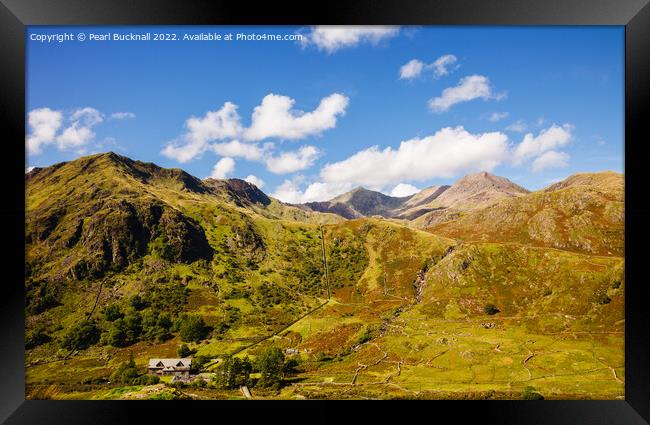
[552, 333]
[585, 213]
[267, 271]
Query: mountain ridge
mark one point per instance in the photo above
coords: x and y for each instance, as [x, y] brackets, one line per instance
[469, 192]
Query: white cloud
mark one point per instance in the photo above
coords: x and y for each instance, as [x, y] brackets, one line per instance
[80, 131]
[443, 65]
[223, 168]
[518, 126]
[468, 88]
[289, 162]
[74, 136]
[44, 123]
[550, 159]
[28, 169]
[122, 115]
[547, 139]
[237, 149]
[321, 191]
[333, 38]
[275, 118]
[255, 180]
[289, 191]
[214, 125]
[498, 116]
[446, 153]
[87, 116]
[404, 189]
[450, 152]
[285, 162]
[411, 69]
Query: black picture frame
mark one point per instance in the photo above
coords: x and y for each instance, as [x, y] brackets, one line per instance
[15, 15]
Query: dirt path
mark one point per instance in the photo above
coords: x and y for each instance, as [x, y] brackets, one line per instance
[525, 361]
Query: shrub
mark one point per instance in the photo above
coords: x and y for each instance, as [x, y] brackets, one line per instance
[145, 380]
[36, 337]
[137, 302]
[126, 373]
[163, 395]
[81, 336]
[529, 393]
[198, 362]
[490, 309]
[41, 297]
[113, 312]
[199, 383]
[603, 299]
[184, 351]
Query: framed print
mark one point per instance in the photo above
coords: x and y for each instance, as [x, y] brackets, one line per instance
[434, 201]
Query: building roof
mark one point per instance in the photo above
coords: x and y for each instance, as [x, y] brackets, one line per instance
[170, 364]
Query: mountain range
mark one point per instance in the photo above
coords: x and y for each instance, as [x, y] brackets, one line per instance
[479, 289]
[470, 192]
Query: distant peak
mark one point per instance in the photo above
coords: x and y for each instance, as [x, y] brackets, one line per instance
[483, 180]
[479, 175]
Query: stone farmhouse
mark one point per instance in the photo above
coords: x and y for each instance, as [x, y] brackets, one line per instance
[174, 367]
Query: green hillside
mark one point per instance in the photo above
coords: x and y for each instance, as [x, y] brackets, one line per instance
[125, 259]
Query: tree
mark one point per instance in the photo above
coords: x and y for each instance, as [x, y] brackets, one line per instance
[113, 312]
[124, 332]
[126, 372]
[270, 363]
[184, 351]
[133, 323]
[117, 335]
[198, 362]
[192, 328]
[233, 372]
[81, 336]
[155, 326]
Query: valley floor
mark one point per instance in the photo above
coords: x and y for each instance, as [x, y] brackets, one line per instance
[413, 357]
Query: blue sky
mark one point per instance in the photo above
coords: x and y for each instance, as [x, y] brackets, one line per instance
[314, 118]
